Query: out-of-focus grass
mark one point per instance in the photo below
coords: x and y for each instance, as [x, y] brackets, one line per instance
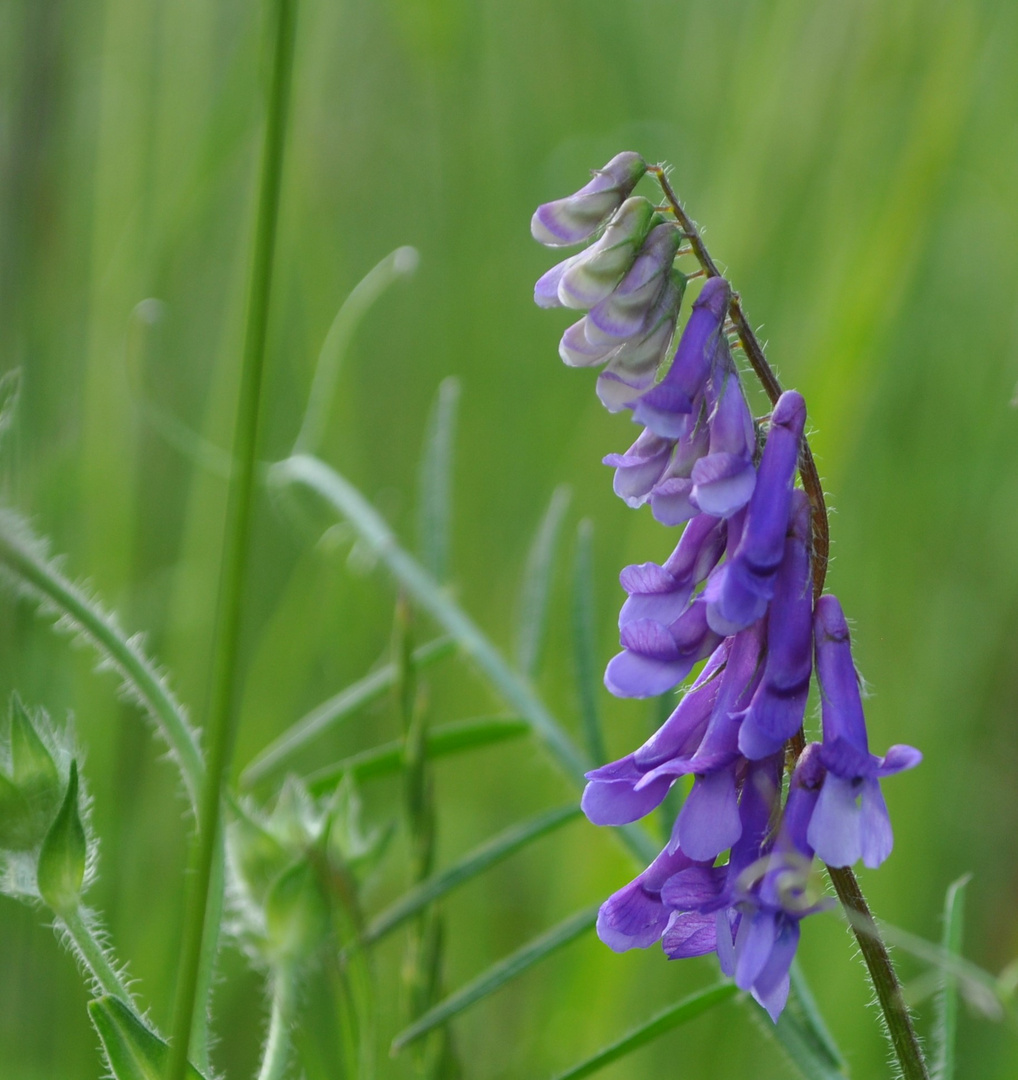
[854, 166]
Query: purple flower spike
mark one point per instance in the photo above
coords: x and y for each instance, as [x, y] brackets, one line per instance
[656, 658]
[662, 592]
[601, 267]
[665, 408]
[578, 216]
[776, 711]
[640, 467]
[740, 592]
[634, 917]
[850, 820]
[624, 313]
[724, 479]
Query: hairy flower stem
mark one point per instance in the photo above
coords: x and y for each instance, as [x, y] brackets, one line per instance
[874, 951]
[755, 354]
[278, 1045]
[197, 950]
[885, 981]
[90, 949]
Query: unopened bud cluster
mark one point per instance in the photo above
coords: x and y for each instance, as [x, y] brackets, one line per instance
[736, 874]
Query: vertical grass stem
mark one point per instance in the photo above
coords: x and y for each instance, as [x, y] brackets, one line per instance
[199, 940]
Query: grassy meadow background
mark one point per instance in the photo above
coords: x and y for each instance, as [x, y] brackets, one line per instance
[854, 165]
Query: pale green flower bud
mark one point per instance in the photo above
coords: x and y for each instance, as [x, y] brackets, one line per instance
[296, 915]
[64, 854]
[30, 797]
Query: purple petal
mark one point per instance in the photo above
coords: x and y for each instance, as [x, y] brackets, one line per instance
[753, 947]
[618, 802]
[632, 675]
[899, 758]
[722, 484]
[670, 501]
[546, 289]
[874, 826]
[841, 703]
[709, 820]
[576, 351]
[725, 946]
[835, 828]
[689, 934]
[695, 888]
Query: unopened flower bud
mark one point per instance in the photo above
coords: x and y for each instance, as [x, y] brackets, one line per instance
[296, 914]
[64, 852]
[601, 267]
[578, 216]
[30, 797]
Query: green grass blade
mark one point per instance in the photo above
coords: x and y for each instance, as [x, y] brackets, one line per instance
[435, 481]
[810, 1060]
[532, 623]
[806, 1004]
[679, 1013]
[329, 713]
[430, 596]
[945, 1026]
[396, 264]
[588, 677]
[477, 861]
[442, 741]
[23, 555]
[497, 976]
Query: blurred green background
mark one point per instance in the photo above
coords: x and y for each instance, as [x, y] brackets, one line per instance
[853, 163]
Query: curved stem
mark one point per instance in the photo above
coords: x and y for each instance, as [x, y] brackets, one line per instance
[237, 541]
[755, 354]
[874, 951]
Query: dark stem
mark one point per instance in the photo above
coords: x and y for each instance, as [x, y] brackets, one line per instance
[874, 951]
[755, 354]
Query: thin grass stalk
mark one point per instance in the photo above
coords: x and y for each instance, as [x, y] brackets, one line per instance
[199, 944]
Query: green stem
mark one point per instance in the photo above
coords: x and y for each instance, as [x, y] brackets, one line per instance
[94, 955]
[22, 554]
[221, 715]
[278, 1044]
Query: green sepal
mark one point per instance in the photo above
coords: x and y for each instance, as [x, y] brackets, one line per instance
[26, 812]
[296, 914]
[133, 1052]
[64, 852]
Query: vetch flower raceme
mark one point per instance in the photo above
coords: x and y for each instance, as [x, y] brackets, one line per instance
[738, 591]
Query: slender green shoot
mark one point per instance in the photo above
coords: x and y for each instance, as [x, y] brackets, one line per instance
[24, 557]
[197, 949]
[328, 714]
[498, 975]
[660, 1024]
[945, 1027]
[488, 854]
[441, 741]
[434, 485]
[278, 1043]
[94, 954]
[396, 264]
[588, 680]
[532, 623]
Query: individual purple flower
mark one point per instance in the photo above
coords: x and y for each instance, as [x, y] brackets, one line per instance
[669, 407]
[656, 657]
[776, 711]
[662, 592]
[850, 820]
[640, 467]
[587, 280]
[739, 592]
[724, 478]
[617, 793]
[578, 216]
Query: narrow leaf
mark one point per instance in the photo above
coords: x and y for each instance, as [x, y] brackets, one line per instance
[339, 707]
[435, 481]
[497, 976]
[477, 861]
[679, 1013]
[805, 1003]
[10, 394]
[811, 1062]
[441, 741]
[537, 579]
[945, 1026]
[133, 1052]
[588, 678]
